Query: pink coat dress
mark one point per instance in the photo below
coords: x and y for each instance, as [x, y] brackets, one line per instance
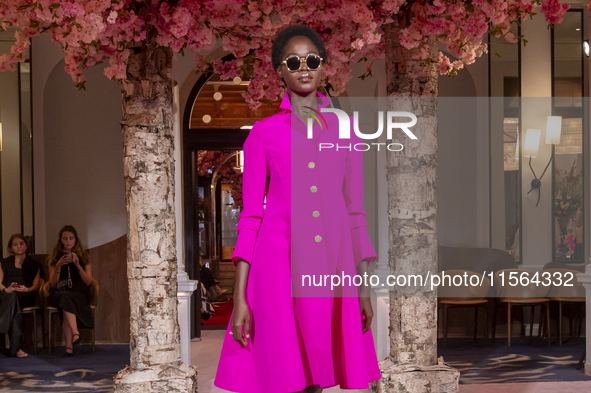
[313, 223]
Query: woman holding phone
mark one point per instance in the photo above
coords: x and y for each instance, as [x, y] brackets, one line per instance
[70, 275]
[19, 282]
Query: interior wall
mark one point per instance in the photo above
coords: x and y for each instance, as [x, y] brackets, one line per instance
[45, 54]
[10, 154]
[463, 165]
[84, 183]
[456, 162]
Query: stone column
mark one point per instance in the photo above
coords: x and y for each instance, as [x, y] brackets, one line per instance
[155, 353]
[412, 365]
[381, 323]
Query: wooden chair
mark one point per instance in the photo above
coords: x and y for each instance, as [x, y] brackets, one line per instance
[463, 296]
[521, 295]
[33, 311]
[574, 294]
[93, 292]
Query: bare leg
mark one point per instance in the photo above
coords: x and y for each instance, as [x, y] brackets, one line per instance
[71, 318]
[68, 334]
[219, 290]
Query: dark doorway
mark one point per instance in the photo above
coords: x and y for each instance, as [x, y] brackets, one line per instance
[216, 123]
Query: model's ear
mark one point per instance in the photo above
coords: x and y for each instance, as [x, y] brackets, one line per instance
[279, 71]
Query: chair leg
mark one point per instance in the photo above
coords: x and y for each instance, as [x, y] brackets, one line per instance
[94, 318]
[532, 315]
[560, 322]
[548, 321]
[523, 321]
[573, 326]
[43, 338]
[49, 337]
[541, 323]
[508, 324]
[494, 322]
[445, 325]
[485, 324]
[476, 322]
[35, 330]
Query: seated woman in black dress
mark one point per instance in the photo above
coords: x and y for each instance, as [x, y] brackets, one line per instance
[19, 282]
[70, 275]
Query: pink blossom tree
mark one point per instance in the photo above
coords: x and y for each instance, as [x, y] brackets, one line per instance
[138, 38]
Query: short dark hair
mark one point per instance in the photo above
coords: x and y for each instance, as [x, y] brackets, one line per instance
[295, 31]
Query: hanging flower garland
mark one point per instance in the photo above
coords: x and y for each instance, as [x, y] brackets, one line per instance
[94, 31]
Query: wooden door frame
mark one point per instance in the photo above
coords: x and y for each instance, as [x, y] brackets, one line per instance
[193, 141]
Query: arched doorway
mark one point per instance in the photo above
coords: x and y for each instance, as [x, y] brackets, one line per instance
[216, 123]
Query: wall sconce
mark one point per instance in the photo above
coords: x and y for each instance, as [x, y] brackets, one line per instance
[586, 47]
[532, 143]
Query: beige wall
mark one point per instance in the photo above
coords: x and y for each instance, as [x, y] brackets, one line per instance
[84, 184]
[10, 155]
[78, 152]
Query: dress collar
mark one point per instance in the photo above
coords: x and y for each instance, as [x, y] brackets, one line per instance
[286, 104]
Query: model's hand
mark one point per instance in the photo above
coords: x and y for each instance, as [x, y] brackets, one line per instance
[241, 317]
[10, 288]
[22, 288]
[365, 308]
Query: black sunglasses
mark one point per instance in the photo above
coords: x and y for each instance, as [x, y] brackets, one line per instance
[294, 63]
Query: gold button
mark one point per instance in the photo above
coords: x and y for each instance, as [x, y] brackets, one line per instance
[311, 165]
[316, 213]
[318, 238]
[313, 189]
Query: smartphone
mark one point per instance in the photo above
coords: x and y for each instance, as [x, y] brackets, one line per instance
[68, 255]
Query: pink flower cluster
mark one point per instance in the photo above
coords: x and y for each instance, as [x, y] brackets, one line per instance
[553, 10]
[461, 25]
[90, 31]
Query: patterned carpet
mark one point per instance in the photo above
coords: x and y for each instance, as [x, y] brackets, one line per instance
[522, 362]
[478, 364]
[84, 372]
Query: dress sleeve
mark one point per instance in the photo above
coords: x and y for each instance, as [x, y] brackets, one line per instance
[353, 193]
[254, 183]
